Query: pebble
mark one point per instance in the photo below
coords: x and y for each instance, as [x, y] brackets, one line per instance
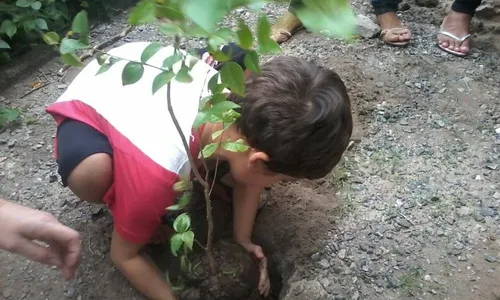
[342, 253]
[478, 217]
[366, 28]
[440, 123]
[324, 264]
[428, 278]
[70, 292]
[11, 143]
[7, 293]
[490, 258]
[487, 211]
[393, 281]
[403, 223]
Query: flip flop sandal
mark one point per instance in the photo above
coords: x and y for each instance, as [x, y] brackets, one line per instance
[277, 33]
[456, 38]
[394, 31]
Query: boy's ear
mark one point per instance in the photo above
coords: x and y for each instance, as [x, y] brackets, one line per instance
[256, 156]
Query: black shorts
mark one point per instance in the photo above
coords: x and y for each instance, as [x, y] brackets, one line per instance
[75, 142]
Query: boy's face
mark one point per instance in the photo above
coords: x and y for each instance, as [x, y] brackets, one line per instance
[251, 170]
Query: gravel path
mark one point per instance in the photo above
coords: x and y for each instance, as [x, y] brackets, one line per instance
[420, 187]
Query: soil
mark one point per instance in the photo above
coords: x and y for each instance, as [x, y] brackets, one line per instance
[410, 213]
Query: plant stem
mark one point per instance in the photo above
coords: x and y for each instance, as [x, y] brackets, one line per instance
[203, 182]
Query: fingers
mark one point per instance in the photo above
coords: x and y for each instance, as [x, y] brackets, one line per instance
[38, 253]
[257, 251]
[65, 244]
[264, 283]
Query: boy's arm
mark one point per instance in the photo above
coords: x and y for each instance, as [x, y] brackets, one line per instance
[141, 272]
[245, 206]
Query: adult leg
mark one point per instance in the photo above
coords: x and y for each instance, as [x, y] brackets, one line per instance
[288, 24]
[454, 34]
[393, 32]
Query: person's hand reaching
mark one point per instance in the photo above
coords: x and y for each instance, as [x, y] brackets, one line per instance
[264, 283]
[23, 228]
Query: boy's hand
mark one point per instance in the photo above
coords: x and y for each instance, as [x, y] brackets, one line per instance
[256, 251]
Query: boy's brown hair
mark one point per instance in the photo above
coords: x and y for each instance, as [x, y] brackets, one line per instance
[299, 114]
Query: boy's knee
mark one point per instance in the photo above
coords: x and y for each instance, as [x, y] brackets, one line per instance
[91, 178]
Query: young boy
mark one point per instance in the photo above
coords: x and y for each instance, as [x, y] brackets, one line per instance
[118, 145]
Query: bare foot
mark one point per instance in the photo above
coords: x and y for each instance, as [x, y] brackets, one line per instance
[287, 25]
[389, 21]
[456, 24]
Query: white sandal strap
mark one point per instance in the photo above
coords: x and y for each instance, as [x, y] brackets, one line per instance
[456, 38]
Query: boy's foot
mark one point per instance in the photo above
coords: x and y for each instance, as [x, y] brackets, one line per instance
[393, 32]
[287, 25]
[454, 35]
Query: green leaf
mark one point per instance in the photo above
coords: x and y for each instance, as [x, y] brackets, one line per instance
[144, 12]
[29, 25]
[41, 24]
[175, 243]
[183, 202]
[80, 23]
[217, 98]
[24, 3]
[220, 108]
[36, 5]
[221, 56]
[170, 29]
[71, 59]
[170, 61]
[161, 80]
[237, 146]
[180, 186]
[205, 13]
[226, 34]
[9, 115]
[70, 46]
[9, 28]
[51, 38]
[218, 133]
[193, 30]
[232, 74]
[245, 38]
[266, 44]
[213, 83]
[182, 223]
[150, 51]
[331, 17]
[251, 61]
[107, 65]
[132, 73]
[188, 239]
[214, 43]
[168, 13]
[4, 45]
[183, 75]
[209, 150]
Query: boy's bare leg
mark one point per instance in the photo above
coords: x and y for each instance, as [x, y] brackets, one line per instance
[92, 178]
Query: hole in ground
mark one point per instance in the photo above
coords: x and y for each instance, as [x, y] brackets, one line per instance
[290, 229]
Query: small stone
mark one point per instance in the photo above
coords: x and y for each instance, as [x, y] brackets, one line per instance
[434, 198]
[324, 264]
[428, 278]
[490, 258]
[478, 177]
[62, 86]
[79, 297]
[403, 6]
[70, 292]
[442, 91]
[492, 167]
[355, 296]
[342, 253]
[52, 178]
[366, 27]
[496, 195]
[315, 257]
[7, 293]
[427, 3]
[485, 11]
[393, 281]
[11, 143]
[440, 123]
[403, 223]
[418, 85]
[487, 211]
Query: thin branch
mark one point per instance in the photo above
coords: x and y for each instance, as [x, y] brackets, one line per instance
[35, 89]
[211, 260]
[98, 47]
